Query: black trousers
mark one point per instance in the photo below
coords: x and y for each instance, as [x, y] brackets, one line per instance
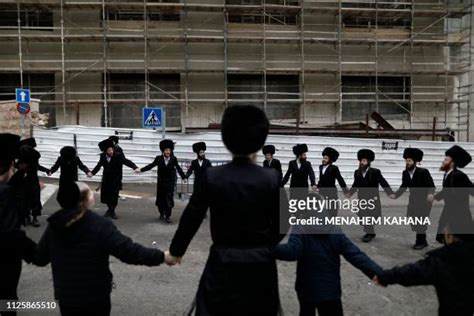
[165, 202]
[96, 309]
[10, 271]
[111, 207]
[326, 308]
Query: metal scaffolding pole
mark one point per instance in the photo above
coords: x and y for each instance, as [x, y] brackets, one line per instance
[145, 53]
[104, 61]
[264, 57]
[339, 47]
[302, 107]
[63, 65]
[20, 53]
[226, 88]
[184, 120]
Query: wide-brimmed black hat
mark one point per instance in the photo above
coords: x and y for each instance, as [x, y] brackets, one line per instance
[105, 144]
[9, 143]
[268, 149]
[28, 141]
[331, 153]
[299, 149]
[244, 129]
[413, 153]
[166, 143]
[68, 152]
[366, 154]
[197, 147]
[460, 156]
[28, 154]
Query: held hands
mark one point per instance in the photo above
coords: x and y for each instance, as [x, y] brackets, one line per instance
[171, 260]
[392, 196]
[89, 174]
[137, 170]
[430, 198]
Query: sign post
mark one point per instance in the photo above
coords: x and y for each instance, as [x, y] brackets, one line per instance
[154, 118]
[23, 97]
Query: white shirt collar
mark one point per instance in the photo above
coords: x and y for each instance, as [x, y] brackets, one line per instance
[365, 172]
[200, 161]
[324, 168]
[411, 173]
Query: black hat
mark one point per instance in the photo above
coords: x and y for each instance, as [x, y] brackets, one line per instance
[197, 147]
[69, 195]
[244, 129]
[460, 156]
[114, 138]
[413, 153]
[28, 141]
[9, 144]
[166, 143]
[105, 144]
[331, 153]
[68, 152]
[365, 154]
[268, 149]
[28, 154]
[298, 149]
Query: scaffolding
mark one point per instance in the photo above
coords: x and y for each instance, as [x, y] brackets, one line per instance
[430, 45]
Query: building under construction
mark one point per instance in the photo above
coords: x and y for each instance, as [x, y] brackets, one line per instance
[312, 65]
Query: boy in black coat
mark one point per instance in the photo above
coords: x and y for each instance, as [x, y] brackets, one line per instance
[78, 244]
[112, 162]
[421, 186]
[33, 204]
[300, 169]
[366, 182]
[14, 245]
[69, 162]
[457, 187]
[167, 165]
[450, 269]
[328, 174]
[318, 274]
[199, 165]
[270, 161]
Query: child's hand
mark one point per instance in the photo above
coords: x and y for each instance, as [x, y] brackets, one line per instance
[171, 260]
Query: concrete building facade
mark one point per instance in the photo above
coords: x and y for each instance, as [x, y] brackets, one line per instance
[307, 63]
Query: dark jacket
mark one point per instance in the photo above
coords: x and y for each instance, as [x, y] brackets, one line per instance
[68, 169]
[111, 176]
[275, 164]
[368, 188]
[456, 190]
[318, 272]
[327, 181]
[198, 170]
[166, 173]
[420, 186]
[79, 256]
[240, 275]
[299, 176]
[450, 269]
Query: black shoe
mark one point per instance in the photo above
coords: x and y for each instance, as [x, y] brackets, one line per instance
[368, 237]
[28, 221]
[419, 246]
[107, 214]
[168, 220]
[162, 218]
[113, 215]
[35, 223]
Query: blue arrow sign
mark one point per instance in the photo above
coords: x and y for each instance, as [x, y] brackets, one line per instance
[152, 117]
[22, 95]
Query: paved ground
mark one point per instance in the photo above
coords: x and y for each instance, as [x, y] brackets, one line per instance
[169, 290]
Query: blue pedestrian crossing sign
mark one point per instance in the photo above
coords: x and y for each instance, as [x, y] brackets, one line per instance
[152, 117]
[22, 95]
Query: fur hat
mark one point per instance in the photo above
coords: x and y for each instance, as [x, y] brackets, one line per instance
[299, 149]
[28, 141]
[268, 149]
[413, 153]
[166, 143]
[197, 147]
[460, 156]
[105, 144]
[244, 129]
[331, 153]
[68, 152]
[9, 144]
[366, 154]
